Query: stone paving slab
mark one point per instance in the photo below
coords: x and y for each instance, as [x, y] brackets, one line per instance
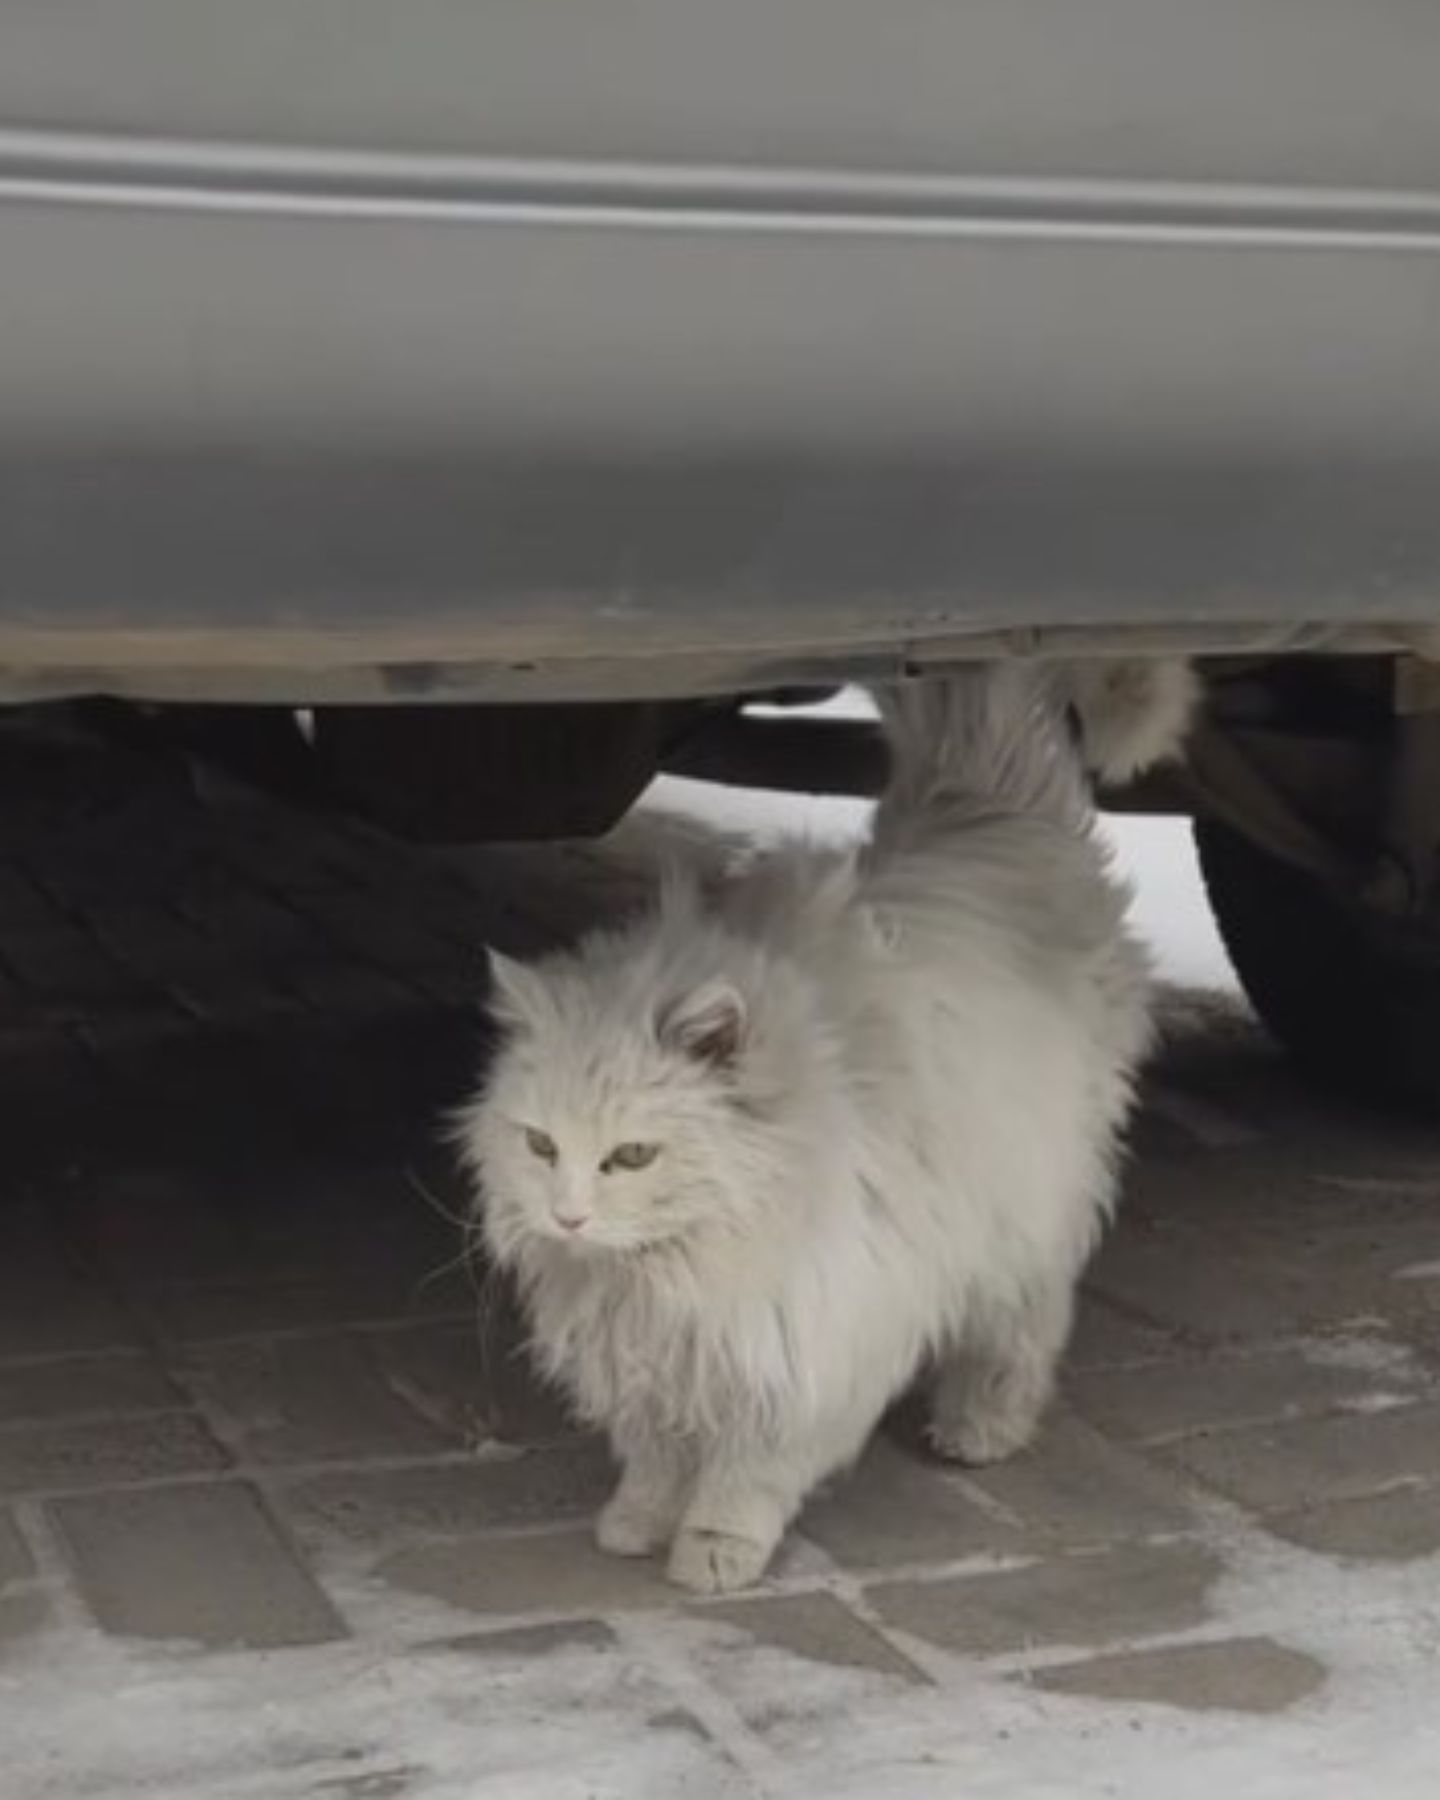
[16, 1562]
[1073, 1487]
[1276, 1467]
[64, 1319]
[1243, 1675]
[368, 1507]
[1106, 1339]
[538, 1572]
[815, 1626]
[748, 1652]
[105, 1453]
[70, 1386]
[530, 1642]
[202, 1563]
[1186, 1396]
[307, 1399]
[895, 1509]
[1401, 1524]
[473, 1375]
[1110, 1597]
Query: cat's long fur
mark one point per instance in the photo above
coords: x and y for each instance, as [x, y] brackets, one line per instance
[886, 1091]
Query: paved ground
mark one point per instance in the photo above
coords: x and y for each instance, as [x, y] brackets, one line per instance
[284, 1516]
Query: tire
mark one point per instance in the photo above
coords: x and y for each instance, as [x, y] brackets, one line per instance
[1352, 993]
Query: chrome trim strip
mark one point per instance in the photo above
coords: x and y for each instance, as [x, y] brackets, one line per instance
[65, 169]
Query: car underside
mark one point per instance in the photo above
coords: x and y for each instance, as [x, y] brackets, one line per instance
[460, 424]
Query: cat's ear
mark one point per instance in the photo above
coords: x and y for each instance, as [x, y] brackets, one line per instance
[707, 1024]
[516, 992]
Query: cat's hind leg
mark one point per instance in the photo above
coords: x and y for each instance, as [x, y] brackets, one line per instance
[993, 1387]
[656, 1475]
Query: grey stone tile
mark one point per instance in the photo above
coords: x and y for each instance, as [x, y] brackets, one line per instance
[1274, 1256]
[123, 1381]
[51, 1306]
[159, 1222]
[61, 1321]
[756, 1666]
[475, 1375]
[1104, 1339]
[299, 1212]
[530, 1641]
[380, 1508]
[1400, 1525]
[199, 1313]
[1247, 1675]
[559, 1572]
[1199, 1289]
[310, 1399]
[1181, 1397]
[96, 1453]
[894, 1509]
[1075, 1488]
[816, 1627]
[15, 1560]
[1296, 1464]
[1091, 1599]
[202, 1562]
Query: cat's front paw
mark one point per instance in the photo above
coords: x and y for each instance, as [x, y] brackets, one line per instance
[714, 1562]
[626, 1530]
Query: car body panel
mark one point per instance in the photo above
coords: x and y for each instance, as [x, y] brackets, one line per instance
[508, 350]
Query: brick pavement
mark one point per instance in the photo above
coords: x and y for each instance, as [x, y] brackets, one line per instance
[249, 1398]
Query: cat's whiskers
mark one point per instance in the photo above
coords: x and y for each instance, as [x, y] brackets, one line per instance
[465, 1221]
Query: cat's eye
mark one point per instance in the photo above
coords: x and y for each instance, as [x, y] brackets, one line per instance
[630, 1156]
[541, 1144]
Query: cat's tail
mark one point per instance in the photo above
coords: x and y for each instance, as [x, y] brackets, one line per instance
[988, 738]
[1130, 713]
[1020, 738]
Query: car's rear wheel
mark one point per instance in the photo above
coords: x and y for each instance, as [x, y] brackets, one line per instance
[1353, 993]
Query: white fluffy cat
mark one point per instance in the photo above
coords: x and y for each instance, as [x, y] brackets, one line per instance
[758, 1159]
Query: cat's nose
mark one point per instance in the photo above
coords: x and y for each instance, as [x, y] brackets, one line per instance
[572, 1221]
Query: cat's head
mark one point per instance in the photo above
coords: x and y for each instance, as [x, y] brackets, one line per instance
[619, 1110]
